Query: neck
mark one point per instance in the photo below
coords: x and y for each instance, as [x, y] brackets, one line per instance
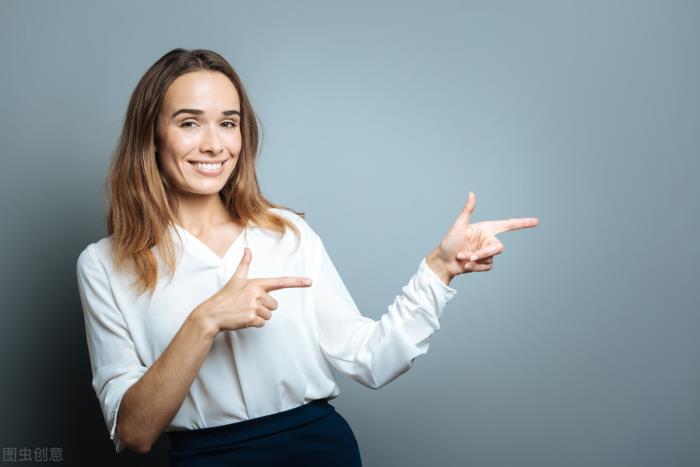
[199, 213]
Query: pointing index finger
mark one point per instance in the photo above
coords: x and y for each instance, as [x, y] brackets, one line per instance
[513, 224]
[274, 283]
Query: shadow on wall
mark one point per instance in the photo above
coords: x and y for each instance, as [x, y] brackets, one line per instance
[47, 361]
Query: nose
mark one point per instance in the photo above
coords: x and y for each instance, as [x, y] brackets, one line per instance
[210, 141]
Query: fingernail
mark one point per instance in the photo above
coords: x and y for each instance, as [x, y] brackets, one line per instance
[474, 257]
[307, 282]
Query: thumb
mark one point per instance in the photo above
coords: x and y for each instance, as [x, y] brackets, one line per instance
[242, 269]
[465, 215]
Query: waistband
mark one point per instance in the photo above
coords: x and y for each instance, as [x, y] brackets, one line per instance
[204, 438]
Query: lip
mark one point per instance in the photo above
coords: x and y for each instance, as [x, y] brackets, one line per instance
[209, 173]
[207, 161]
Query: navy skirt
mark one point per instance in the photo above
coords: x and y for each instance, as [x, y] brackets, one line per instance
[313, 434]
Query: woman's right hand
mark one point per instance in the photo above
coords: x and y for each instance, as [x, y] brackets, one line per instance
[244, 302]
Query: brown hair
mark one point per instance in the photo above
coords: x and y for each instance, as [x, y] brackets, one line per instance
[139, 206]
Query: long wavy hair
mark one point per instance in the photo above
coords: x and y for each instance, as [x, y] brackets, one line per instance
[139, 197]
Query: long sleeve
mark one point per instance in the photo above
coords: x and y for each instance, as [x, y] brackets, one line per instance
[113, 358]
[375, 352]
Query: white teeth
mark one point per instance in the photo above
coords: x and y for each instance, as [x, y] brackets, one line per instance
[207, 166]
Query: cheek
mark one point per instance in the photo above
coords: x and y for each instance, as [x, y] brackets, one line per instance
[182, 143]
[175, 139]
[168, 165]
[234, 142]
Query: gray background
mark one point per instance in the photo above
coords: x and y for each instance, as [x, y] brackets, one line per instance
[580, 348]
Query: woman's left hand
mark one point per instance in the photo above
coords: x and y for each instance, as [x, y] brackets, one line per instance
[471, 247]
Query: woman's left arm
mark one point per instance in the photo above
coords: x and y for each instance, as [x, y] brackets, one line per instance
[375, 352]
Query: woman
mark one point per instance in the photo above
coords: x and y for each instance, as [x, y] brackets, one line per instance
[206, 318]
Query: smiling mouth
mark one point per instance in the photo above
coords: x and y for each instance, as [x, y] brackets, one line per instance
[211, 166]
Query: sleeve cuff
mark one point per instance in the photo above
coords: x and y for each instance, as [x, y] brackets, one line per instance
[112, 415]
[119, 446]
[429, 274]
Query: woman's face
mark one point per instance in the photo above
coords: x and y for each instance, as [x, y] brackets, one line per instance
[198, 133]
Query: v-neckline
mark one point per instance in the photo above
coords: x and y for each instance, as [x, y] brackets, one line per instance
[204, 248]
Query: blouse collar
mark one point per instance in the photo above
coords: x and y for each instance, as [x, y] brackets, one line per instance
[199, 249]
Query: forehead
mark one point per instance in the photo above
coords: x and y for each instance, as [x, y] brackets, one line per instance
[204, 90]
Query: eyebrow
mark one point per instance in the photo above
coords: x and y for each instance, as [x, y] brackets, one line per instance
[199, 112]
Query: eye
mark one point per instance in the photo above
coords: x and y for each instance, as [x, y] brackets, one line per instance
[233, 124]
[185, 124]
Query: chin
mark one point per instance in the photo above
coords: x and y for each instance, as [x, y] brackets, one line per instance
[202, 189]
[206, 191]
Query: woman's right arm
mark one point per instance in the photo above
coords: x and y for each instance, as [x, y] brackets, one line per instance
[138, 402]
[150, 404]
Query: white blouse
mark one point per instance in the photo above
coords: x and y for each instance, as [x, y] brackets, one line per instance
[251, 372]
